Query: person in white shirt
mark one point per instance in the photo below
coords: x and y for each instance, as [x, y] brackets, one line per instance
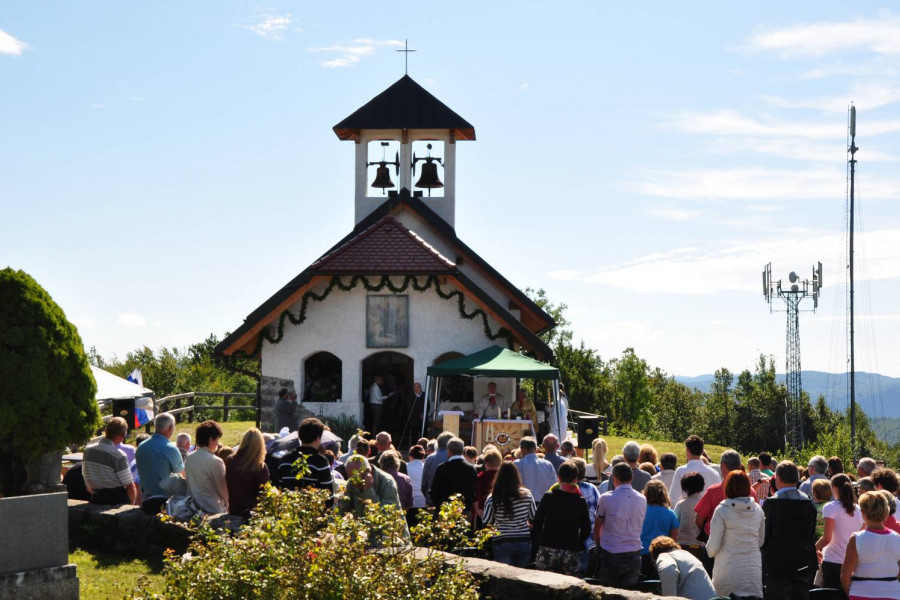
[559, 415]
[693, 447]
[376, 401]
[205, 472]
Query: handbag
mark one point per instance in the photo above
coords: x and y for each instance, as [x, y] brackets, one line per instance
[702, 536]
[182, 508]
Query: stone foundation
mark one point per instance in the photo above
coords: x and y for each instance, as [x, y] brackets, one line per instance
[59, 583]
[123, 530]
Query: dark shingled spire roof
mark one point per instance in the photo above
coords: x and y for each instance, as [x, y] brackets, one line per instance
[404, 105]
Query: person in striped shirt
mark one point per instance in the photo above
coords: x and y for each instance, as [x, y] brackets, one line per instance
[106, 471]
[318, 473]
[510, 508]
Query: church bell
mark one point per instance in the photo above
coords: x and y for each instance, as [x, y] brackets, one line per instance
[382, 177]
[382, 174]
[429, 178]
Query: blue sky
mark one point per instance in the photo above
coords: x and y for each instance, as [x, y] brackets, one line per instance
[165, 167]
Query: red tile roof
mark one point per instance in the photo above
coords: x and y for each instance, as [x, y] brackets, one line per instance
[386, 247]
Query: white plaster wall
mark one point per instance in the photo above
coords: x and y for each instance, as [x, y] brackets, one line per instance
[337, 325]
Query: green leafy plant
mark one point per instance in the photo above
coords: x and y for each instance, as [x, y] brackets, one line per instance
[47, 392]
[295, 548]
[344, 426]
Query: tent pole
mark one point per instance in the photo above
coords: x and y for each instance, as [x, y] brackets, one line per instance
[426, 406]
[556, 408]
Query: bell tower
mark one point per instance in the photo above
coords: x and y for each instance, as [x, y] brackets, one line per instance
[405, 138]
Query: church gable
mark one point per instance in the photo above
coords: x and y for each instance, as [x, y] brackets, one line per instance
[387, 247]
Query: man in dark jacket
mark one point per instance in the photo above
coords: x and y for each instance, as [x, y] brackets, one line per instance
[789, 552]
[456, 476]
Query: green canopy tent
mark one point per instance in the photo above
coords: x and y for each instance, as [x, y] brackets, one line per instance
[493, 361]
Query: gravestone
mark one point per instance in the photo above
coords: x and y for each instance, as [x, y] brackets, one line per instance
[34, 553]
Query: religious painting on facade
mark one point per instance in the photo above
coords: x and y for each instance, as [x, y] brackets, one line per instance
[387, 321]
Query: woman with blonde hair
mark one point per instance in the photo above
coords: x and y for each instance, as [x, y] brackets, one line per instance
[599, 466]
[870, 562]
[246, 472]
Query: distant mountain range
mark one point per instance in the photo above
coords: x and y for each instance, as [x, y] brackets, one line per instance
[878, 395]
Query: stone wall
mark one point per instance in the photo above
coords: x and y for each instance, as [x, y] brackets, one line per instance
[125, 530]
[502, 582]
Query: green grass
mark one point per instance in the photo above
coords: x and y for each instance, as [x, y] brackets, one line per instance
[104, 576]
[232, 431]
[615, 444]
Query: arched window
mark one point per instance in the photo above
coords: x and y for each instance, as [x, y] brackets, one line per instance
[322, 373]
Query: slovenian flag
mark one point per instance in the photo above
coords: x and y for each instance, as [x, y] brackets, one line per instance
[141, 416]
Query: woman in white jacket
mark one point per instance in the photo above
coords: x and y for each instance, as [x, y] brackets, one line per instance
[736, 532]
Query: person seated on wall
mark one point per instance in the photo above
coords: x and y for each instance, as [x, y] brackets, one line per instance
[183, 443]
[107, 475]
[205, 472]
[158, 459]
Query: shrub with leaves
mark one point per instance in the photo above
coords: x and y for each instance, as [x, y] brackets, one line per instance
[295, 548]
[47, 392]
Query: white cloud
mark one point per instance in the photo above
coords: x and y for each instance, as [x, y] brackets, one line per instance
[880, 36]
[867, 95]
[131, 321]
[672, 213]
[98, 105]
[732, 122]
[10, 45]
[269, 25]
[738, 267]
[353, 52]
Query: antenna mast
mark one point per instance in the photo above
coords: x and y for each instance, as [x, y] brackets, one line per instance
[852, 150]
[792, 294]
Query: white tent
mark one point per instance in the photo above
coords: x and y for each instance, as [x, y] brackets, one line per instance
[112, 387]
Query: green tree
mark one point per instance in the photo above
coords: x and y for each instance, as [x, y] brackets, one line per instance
[633, 395]
[47, 392]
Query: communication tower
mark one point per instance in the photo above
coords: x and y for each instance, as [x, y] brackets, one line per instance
[792, 294]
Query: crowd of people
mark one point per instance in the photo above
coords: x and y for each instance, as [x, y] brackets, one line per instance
[703, 530]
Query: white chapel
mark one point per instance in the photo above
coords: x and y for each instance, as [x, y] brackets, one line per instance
[401, 292]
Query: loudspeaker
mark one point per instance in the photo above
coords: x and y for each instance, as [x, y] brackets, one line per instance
[588, 431]
[124, 409]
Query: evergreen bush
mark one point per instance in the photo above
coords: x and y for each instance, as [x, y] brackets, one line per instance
[47, 392]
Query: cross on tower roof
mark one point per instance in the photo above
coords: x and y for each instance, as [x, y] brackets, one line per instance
[406, 52]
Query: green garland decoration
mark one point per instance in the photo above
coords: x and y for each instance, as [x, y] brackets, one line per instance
[384, 282]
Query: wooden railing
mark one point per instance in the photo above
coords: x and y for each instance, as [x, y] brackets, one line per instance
[188, 399]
